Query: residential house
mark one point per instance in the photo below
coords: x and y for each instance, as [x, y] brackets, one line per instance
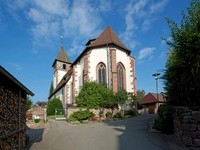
[152, 101]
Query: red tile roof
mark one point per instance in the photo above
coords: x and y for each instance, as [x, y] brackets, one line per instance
[152, 98]
[108, 36]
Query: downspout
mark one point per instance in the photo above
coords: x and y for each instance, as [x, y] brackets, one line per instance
[108, 64]
[19, 118]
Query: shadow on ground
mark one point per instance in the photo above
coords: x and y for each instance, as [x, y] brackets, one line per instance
[134, 134]
[35, 135]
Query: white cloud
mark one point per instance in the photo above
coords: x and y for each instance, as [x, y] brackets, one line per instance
[158, 6]
[52, 18]
[83, 19]
[145, 52]
[139, 16]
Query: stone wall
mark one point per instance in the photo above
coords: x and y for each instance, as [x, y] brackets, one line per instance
[95, 111]
[187, 126]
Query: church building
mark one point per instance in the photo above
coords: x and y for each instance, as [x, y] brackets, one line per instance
[105, 60]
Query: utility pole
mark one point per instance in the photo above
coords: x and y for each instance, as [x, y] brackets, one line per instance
[156, 75]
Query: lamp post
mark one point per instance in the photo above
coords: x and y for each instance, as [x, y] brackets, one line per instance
[156, 75]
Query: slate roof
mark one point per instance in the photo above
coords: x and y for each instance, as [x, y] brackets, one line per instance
[62, 56]
[5, 73]
[108, 36]
[152, 98]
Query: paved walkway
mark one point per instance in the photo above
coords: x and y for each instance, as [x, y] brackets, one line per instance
[120, 135]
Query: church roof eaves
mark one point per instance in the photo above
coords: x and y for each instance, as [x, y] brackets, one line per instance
[62, 82]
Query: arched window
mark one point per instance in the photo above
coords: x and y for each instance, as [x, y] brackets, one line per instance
[120, 76]
[101, 71]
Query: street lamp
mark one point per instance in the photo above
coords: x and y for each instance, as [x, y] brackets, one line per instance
[156, 75]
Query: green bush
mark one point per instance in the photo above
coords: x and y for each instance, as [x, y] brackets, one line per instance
[81, 115]
[53, 105]
[118, 115]
[130, 113]
[36, 120]
[164, 122]
[108, 114]
[72, 119]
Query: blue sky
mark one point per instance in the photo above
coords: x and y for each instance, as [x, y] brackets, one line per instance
[30, 35]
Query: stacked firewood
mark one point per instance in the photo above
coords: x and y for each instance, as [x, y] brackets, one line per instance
[12, 120]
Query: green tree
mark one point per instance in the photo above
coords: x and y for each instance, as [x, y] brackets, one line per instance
[138, 97]
[121, 98]
[53, 105]
[51, 89]
[182, 75]
[94, 95]
[29, 103]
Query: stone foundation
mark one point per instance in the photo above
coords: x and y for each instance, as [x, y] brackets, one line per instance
[187, 126]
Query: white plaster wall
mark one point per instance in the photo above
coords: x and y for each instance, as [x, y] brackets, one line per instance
[59, 94]
[97, 56]
[61, 73]
[125, 60]
[69, 90]
[79, 75]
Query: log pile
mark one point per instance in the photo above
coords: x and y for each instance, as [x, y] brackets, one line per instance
[12, 120]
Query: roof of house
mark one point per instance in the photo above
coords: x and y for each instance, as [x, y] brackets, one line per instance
[152, 98]
[62, 82]
[108, 36]
[15, 81]
[62, 56]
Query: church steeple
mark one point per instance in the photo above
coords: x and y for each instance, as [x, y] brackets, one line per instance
[61, 66]
[62, 56]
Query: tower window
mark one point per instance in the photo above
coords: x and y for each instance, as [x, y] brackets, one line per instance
[64, 66]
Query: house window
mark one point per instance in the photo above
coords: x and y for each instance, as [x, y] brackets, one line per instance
[101, 71]
[120, 76]
[64, 66]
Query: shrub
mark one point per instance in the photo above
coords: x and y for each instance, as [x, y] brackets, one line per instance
[36, 120]
[53, 105]
[130, 113]
[81, 115]
[164, 122]
[108, 114]
[118, 115]
[72, 119]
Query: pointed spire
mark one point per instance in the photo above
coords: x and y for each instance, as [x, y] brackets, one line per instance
[108, 36]
[62, 56]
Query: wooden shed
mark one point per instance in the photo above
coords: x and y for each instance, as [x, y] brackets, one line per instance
[12, 112]
[152, 101]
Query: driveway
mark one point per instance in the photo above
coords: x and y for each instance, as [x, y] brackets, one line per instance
[129, 134]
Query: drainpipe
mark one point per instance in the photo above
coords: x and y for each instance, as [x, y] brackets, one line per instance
[108, 64]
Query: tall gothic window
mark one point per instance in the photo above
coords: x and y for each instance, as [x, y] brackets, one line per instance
[120, 76]
[101, 71]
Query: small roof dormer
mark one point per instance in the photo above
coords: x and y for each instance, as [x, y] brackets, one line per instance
[62, 56]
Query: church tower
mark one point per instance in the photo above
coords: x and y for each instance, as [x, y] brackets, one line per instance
[61, 66]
